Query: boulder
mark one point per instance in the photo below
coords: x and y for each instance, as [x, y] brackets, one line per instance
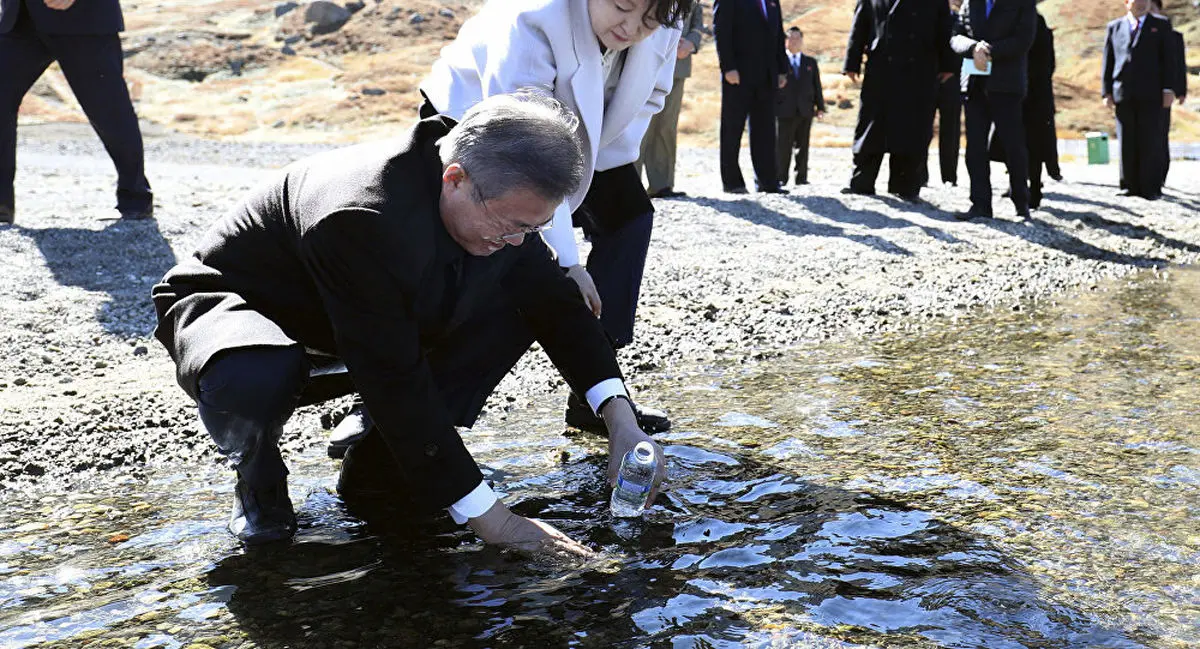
[325, 17]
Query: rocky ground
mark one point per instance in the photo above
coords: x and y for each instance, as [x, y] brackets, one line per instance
[86, 392]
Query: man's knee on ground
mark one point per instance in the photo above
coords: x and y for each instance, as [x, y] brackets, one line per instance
[260, 384]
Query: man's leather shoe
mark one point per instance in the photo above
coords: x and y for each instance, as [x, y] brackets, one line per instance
[972, 214]
[858, 192]
[1152, 197]
[580, 415]
[915, 199]
[1126, 192]
[137, 214]
[7, 214]
[262, 515]
[352, 428]
[775, 190]
[667, 192]
[1023, 212]
[736, 190]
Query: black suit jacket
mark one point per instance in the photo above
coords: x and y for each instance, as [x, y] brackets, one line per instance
[906, 45]
[84, 17]
[747, 42]
[346, 253]
[802, 96]
[1141, 68]
[1181, 73]
[1009, 30]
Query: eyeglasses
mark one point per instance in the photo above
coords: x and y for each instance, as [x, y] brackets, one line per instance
[516, 238]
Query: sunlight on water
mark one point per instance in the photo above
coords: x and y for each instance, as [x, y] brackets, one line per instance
[1027, 480]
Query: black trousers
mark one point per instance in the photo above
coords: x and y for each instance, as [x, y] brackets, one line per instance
[756, 102]
[616, 264]
[1139, 129]
[94, 67]
[794, 135]
[906, 169]
[983, 109]
[1166, 144]
[247, 394]
[949, 108]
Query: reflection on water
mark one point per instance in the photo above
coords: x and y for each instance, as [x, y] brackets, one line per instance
[1029, 480]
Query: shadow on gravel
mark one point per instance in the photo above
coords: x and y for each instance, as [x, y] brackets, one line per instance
[835, 210]
[1048, 235]
[124, 260]
[1128, 230]
[1110, 205]
[796, 226]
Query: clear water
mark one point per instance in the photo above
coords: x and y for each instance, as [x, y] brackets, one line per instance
[1023, 480]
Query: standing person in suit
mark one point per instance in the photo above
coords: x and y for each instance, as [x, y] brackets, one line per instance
[995, 35]
[800, 100]
[949, 110]
[82, 37]
[611, 62]
[750, 50]
[404, 259]
[906, 43]
[1180, 87]
[1137, 83]
[658, 146]
[1041, 136]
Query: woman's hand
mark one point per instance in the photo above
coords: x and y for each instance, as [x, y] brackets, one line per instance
[587, 287]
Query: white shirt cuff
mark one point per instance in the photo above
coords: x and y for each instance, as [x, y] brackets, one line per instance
[561, 237]
[600, 393]
[473, 504]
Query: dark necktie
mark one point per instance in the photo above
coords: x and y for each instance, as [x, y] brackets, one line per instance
[1133, 31]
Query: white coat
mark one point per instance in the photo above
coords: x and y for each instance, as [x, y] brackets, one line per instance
[549, 45]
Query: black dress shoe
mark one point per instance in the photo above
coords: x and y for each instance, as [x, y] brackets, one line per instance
[972, 214]
[774, 190]
[859, 192]
[137, 214]
[7, 214]
[1152, 197]
[352, 428]
[736, 190]
[800, 182]
[580, 415]
[1126, 192]
[262, 515]
[667, 192]
[1056, 175]
[1023, 212]
[369, 471]
[915, 199]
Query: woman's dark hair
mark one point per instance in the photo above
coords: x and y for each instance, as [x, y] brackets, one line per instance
[668, 12]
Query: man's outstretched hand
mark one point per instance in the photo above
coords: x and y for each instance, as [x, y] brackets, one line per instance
[499, 526]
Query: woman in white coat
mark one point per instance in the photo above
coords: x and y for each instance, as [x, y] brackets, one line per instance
[611, 62]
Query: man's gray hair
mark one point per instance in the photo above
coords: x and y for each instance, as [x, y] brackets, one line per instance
[524, 140]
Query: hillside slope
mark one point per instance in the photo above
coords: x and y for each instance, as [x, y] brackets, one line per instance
[244, 69]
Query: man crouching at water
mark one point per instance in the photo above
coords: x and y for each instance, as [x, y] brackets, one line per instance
[404, 260]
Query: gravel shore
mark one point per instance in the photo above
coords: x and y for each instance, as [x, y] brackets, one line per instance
[86, 392]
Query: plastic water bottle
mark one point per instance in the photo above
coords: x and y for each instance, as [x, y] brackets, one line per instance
[634, 481]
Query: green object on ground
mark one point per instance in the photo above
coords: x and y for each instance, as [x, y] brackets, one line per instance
[1097, 148]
